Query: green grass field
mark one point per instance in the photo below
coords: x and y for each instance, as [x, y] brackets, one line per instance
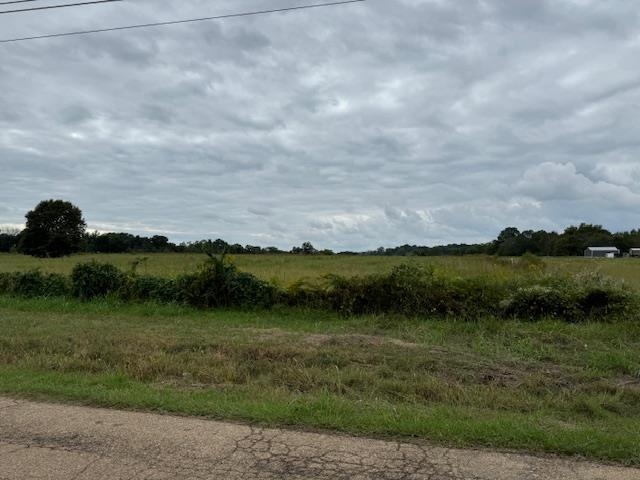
[285, 269]
[547, 386]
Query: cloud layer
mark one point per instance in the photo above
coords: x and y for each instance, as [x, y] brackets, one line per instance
[371, 124]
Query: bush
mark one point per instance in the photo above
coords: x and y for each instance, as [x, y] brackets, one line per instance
[218, 283]
[419, 291]
[144, 288]
[538, 301]
[34, 283]
[94, 280]
[414, 291]
[597, 302]
[598, 296]
[580, 297]
[407, 290]
[304, 293]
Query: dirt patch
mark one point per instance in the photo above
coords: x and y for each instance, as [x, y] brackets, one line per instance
[629, 383]
[322, 339]
[358, 340]
[266, 334]
[466, 367]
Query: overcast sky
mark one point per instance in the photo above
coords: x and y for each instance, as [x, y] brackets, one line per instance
[353, 127]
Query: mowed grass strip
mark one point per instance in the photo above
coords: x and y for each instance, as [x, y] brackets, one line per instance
[547, 386]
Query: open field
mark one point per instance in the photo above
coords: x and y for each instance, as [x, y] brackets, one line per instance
[546, 386]
[285, 269]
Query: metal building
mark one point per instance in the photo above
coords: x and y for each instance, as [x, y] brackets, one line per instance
[601, 252]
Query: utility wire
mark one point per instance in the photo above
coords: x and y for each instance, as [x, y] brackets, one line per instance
[175, 22]
[57, 6]
[18, 1]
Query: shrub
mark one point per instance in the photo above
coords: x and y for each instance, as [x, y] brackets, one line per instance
[580, 297]
[144, 288]
[413, 290]
[94, 280]
[34, 283]
[598, 296]
[304, 293]
[407, 290]
[538, 301]
[602, 301]
[218, 283]
[5, 283]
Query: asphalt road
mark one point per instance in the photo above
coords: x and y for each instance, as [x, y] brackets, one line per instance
[46, 441]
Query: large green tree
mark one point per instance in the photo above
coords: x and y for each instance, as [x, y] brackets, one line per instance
[54, 228]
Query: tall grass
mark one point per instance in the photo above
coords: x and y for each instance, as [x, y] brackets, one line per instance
[287, 269]
[544, 386]
[408, 289]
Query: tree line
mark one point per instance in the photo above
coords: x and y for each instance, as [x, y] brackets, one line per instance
[512, 242]
[56, 228]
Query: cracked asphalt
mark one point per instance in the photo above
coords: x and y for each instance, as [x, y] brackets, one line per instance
[47, 441]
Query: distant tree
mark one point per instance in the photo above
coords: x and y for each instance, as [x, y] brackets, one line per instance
[54, 228]
[574, 239]
[308, 249]
[8, 239]
[626, 240]
[252, 249]
[160, 243]
[508, 234]
[236, 249]
[508, 242]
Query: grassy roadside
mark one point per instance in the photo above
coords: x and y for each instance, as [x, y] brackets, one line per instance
[547, 386]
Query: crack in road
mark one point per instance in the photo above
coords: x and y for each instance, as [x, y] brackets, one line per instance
[148, 446]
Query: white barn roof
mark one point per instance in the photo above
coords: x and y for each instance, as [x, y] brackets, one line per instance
[602, 249]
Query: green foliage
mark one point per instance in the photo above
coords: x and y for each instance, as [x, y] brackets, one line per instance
[94, 280]
[409, 290]
[8, 241]
[54, 228]
[598, 296]
[545, 386]
[218, 283]
[148, 288]
[580, 297]
[34, 283]
[538, 301]
[414, 291]
[531, 262]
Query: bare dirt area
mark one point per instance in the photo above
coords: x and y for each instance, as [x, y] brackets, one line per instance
[39, 440]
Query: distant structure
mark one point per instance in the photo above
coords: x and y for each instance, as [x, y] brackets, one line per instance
[634, 252]
[602, 252]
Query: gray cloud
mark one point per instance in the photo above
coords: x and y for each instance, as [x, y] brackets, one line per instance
[374, 124]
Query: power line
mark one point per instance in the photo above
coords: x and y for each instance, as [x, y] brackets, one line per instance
[18, 1]
[175, 22]
[57, 6]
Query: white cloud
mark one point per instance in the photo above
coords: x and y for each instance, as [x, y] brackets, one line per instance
[553, 181]
[399, 121]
